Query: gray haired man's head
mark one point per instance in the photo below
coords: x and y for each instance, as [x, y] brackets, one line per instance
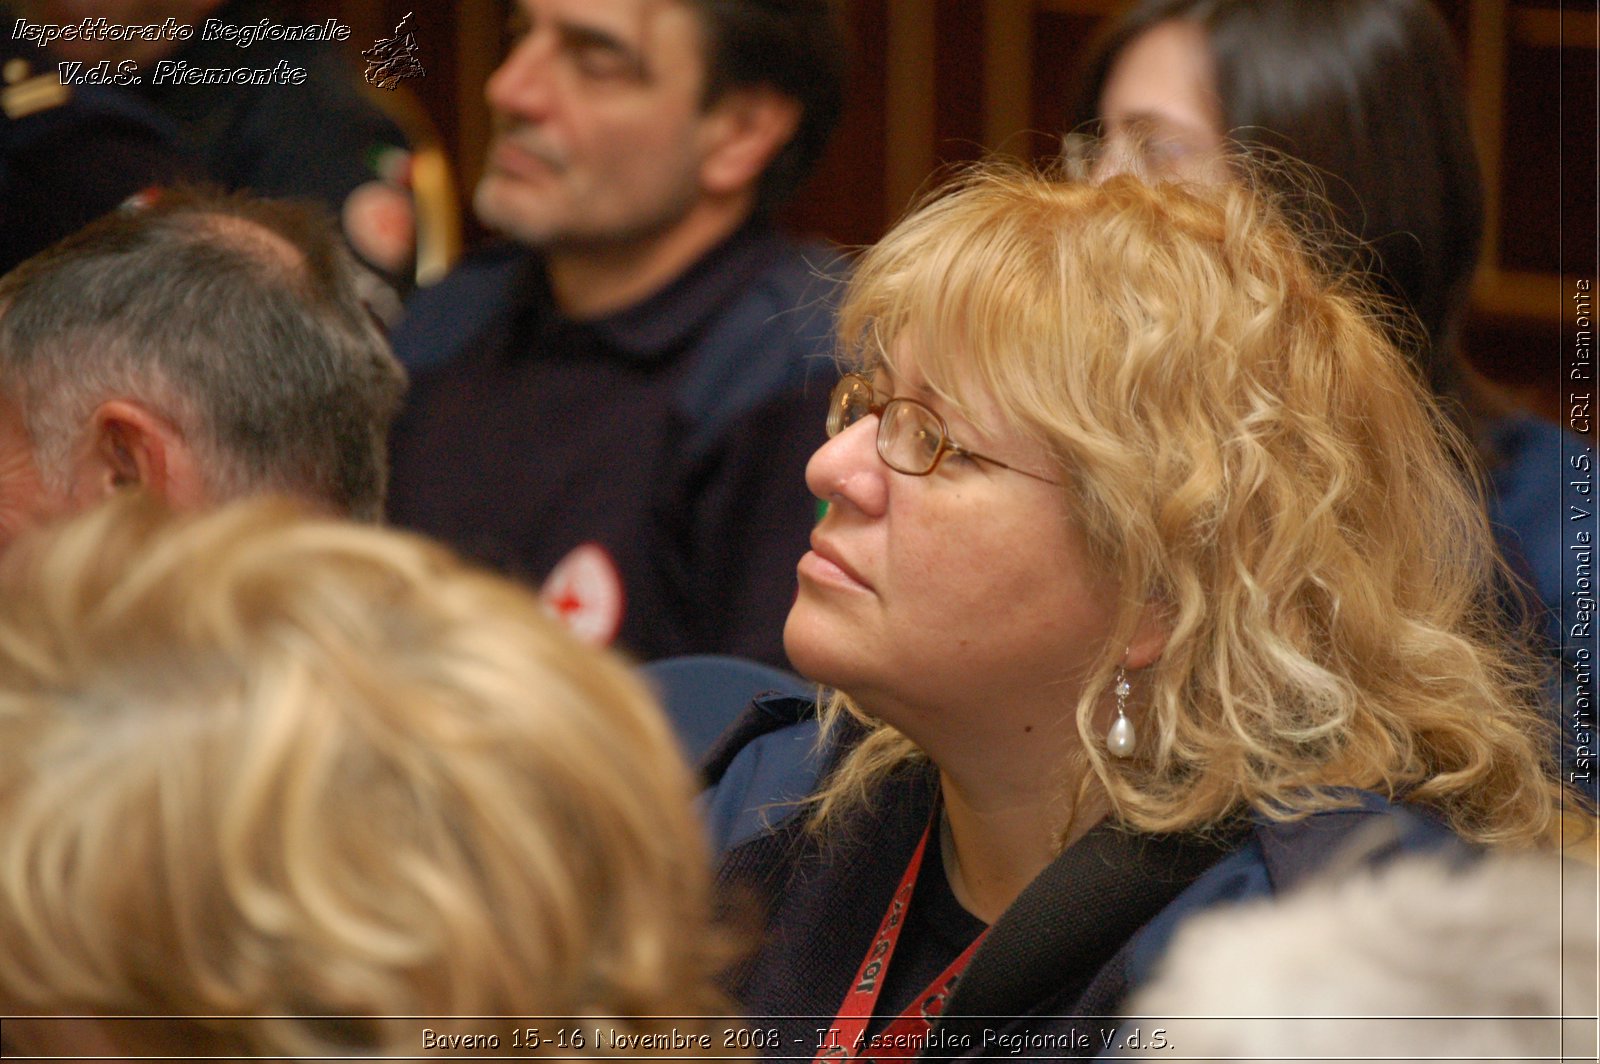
[205, 347]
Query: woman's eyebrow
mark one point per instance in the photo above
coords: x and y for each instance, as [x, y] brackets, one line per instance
[919, 390]
[922, 393]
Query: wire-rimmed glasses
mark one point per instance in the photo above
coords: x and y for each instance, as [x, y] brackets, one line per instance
[912, 438]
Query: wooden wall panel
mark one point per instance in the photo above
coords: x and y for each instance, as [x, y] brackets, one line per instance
[844, 201]
[1060, 41]
[1554, 105]
[960, 86]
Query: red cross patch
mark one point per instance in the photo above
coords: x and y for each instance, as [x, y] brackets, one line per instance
[584, 591]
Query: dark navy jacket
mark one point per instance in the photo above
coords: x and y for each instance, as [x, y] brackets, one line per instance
[1060, 961]
[1546, 526]
[673, 435]
[69, 154]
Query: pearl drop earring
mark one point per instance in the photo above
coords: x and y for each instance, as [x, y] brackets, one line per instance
[1120, 739]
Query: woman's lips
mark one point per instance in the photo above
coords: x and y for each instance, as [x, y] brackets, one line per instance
[822, 562]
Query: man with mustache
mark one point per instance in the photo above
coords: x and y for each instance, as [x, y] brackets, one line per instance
[616, 402]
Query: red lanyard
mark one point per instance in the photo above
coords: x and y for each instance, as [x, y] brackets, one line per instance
[908, 1031]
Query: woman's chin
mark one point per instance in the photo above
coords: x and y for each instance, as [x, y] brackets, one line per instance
[815, 647]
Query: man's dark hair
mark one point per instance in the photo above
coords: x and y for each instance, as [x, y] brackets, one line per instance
[237, 318]
[1369, 92]
[794, 46]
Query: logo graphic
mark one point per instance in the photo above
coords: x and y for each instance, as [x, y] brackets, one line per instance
[391, 60]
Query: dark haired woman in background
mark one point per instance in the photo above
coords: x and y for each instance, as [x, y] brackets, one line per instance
[1369, 93]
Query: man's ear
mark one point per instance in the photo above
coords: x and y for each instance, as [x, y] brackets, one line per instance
[743, 131]
[130, 444]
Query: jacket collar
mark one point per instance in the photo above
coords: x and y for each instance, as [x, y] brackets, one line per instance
[665, 323]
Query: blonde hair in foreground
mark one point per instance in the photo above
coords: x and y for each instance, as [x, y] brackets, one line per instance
[257, 764]
[1251, 456]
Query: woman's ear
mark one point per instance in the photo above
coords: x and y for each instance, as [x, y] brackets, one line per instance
[1149, 640]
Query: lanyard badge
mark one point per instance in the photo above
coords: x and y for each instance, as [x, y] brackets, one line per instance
[912, 1027]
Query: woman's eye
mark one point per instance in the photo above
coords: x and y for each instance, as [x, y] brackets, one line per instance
[953, 454]
[926, 442]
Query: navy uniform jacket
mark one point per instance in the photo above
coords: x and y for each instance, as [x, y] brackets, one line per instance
[69, 154]
[668, 441]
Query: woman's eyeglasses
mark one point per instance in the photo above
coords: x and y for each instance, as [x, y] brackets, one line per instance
[912, 438]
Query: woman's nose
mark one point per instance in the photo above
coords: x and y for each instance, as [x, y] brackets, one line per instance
[846, 470]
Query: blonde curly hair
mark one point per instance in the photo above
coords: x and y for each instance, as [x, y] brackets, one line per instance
[255, 764]
[1248, 452]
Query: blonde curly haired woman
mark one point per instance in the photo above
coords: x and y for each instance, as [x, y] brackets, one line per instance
[270, 769]
[1146, 579]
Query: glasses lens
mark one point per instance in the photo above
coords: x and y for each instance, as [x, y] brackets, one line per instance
[852, 401]
[910, 437]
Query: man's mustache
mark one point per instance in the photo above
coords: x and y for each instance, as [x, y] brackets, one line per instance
[530, 141]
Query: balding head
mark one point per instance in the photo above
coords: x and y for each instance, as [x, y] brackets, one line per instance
[207, 347]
